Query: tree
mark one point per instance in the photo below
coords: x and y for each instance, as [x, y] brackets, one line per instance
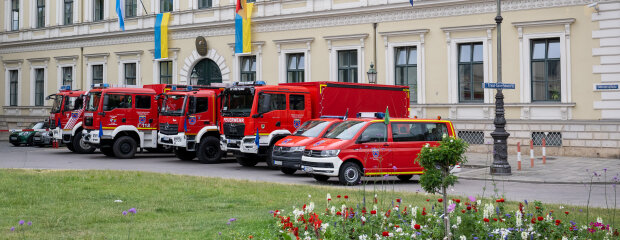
[437, 162]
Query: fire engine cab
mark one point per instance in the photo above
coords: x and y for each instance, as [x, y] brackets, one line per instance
[66, 119]
[118, 121]
[256, 116]
[188, 121]
[372, 146]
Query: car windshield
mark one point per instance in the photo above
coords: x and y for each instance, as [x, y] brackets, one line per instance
[173, 105]
[57, 103]
[311, 128]
[237, 103]
[345, 130]
[37, 125]
[93, 101]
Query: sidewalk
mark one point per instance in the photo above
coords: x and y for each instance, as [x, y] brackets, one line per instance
[557, 170]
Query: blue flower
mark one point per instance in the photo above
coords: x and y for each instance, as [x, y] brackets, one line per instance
[525, 201]
[508, 215]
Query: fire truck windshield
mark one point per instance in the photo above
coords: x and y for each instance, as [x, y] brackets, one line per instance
[93, 101]
[237, 104]
[174, 105]
[72, 103]
[57, 103]
[311, 128]
[345, 130]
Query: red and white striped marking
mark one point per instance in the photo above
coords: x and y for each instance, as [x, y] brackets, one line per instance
[544, 151]
[519, 156]
[531, 153]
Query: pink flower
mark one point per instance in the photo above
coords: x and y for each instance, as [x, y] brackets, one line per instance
[451, 207]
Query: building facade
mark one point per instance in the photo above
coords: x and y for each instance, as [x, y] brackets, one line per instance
[562, 55]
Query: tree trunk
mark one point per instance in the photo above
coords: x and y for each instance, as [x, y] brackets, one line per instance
[446, 219]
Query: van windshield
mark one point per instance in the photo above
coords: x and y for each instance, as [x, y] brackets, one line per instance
[311, 128]
[93, 101]
[173, 105]
[345, 130]
[57, 103]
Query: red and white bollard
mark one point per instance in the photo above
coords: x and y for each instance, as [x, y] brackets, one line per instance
[544, 152]
[519, 156]
[531, 153]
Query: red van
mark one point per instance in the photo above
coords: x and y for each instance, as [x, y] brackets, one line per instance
[370, 147]
[288, 151]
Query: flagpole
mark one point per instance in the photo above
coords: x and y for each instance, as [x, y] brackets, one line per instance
[143, 7]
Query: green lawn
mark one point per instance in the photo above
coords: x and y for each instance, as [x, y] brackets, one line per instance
[80, 204]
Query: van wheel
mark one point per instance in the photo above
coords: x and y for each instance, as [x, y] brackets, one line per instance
[288, 171]
[124, 147]
[209, 150]
[80, 145]
[404, 177]
[184, 154]
[350, 174]
[269, 158]
[246, 161]
[320, 178]
[107, 151]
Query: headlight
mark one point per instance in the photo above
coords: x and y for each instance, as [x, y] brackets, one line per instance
[298, 149]
[330, 153]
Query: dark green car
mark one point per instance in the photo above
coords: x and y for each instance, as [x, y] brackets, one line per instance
[26, 136]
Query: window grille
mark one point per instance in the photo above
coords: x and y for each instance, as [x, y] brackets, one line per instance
[551, 138]
[472, 137]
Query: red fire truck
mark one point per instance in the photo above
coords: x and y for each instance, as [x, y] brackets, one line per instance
[66, 119]
[118, 121]
[188, 121]
[256, 116]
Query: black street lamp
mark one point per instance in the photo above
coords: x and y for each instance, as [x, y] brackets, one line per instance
[372, 74]
[193, 79]
[500, 165]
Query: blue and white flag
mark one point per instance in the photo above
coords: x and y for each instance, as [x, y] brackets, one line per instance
[411, 1]
[120, 11]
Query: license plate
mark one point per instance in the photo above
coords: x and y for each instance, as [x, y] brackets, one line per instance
[277, 162]
[165, 138]
[13, 138]
[233, 141]
[37, 138]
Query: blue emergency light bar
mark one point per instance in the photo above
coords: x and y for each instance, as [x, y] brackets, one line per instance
[254, 83]
[100, 85]
[378, 115]
[65, 88]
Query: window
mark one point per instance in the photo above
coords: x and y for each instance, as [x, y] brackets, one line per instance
[40, 13]
[72, 103]
[165, 72]
[276, 102]
[205, 4]
[550, 138]
[406, 68]
[347, 66]
[130, 73]
[131, 8]
[417, 131]
[97, 74]
[14, 15]
[198, 105]
[251, 1]
[39, 86]
[376, 132]
[165, 6]
[296, 102]
[472, 137]
[114, 101]
[98, 10]
[248, 68]
[143, 101]
[13, 75]
[295, 68]
[470, 72]
[67, 76]
[545, 69]
[68, 12]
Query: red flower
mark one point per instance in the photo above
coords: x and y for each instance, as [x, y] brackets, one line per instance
[457, 200]
[338, 196]
[540, 218]
[251, 236]
[386, 233]
[396, 226]
[533, 220]
[566, 213]
[557, 222]
[499, 200]
[373, 212]
[346, 197]
[329, 199]
[398, 200]
[339, 213]
[468, 208]
[417, 226]
[427, 199]
[486, 220]
[440, 200]
[463, 211]
[495, 219]
[304, 207]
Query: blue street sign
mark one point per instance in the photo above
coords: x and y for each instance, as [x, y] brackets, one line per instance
[499, 85]
[606, 86]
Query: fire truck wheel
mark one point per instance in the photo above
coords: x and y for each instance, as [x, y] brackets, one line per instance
[184, 154]
[70, 147]
[246, 161]
[209, 150]
[80, 145]
[320, 178]
[107, 151]
[124, 147]
[404, 177]
[288, 171]
[350, 174]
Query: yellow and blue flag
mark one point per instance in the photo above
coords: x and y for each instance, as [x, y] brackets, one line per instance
[243, 20]
[161, 35]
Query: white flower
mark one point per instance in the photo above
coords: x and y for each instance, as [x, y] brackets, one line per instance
[444, 135]
[374, 207]
[118, 200]
[453, 141]
[519, 219]
[561, 207]
[363, 219]
[564, 238]
[310, 207]
[599, 220]
[413, 223]
[333, 210]
[414, 211]
[399, 230]
[307, 238]
[329, 196]
[391, 234]
[344, 207]
[462, 237]
[309, 196]
[363, 237]
[458, 220]
[524, 235]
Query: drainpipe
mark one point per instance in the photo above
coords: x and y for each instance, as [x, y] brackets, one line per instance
[374, 26]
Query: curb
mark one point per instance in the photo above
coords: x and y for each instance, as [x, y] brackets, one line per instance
[530, 181]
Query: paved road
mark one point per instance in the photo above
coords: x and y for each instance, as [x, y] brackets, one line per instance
[47, 158]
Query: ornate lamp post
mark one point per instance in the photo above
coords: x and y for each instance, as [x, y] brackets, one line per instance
[193, 79]
[372, 74]
[500, 165]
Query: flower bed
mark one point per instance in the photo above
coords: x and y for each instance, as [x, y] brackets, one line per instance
[470, 218]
